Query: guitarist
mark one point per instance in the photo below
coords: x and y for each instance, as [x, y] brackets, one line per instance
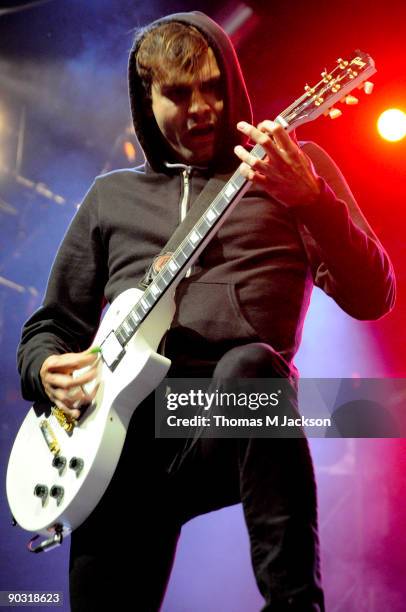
[239, 314]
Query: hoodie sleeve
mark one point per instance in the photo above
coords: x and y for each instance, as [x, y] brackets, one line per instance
[68, 319]
[347, 260]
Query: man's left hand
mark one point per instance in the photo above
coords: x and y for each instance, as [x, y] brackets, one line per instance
[286, 173]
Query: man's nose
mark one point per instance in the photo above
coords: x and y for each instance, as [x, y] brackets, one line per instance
[198, 102]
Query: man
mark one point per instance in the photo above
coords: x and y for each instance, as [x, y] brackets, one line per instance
[239, 314]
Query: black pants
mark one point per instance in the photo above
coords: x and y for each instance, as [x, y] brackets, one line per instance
[129, 541]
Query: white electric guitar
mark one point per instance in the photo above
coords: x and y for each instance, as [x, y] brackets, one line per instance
[59, 469]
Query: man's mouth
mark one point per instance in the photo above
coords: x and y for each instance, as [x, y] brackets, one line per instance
[201, 131]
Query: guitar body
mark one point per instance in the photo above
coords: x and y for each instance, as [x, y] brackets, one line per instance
[97, 440]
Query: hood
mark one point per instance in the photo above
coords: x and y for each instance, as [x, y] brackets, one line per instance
[237, 105]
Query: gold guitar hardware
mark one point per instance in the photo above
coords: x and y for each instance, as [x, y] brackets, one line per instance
[66, 422]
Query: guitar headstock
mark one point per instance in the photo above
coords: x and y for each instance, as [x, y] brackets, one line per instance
[334, 86]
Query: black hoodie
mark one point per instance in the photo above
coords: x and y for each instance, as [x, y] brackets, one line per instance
[253, 281]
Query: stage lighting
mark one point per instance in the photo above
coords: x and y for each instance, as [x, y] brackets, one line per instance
[392, 124]
[129, 150]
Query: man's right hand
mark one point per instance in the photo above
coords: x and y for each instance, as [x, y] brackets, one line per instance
[64, 390]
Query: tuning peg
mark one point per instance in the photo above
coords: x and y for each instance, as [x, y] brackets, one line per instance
[368, 87]
[351, 100]
[334, 113]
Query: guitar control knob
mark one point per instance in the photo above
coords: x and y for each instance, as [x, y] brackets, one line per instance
[76, 464]
[41, 491]
[57, 493]
[59, 463]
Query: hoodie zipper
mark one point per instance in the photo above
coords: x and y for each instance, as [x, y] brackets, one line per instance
[185, 201]
[185, 192]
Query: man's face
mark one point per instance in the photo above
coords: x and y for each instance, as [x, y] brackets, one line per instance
[187, 109]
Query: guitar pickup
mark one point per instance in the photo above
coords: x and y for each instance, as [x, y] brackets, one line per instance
[111, 351]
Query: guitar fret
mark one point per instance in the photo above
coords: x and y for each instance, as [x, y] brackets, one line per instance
[203, 227]
[258, 151]
[166, 275]
[220, 205]
[229, 190]
[195, 237]
[238, 179]
[120, 335]
[160, 283]
[180, 256]
[134, 318]
[154, 289]
[210, 215]
[127, 327]
[149, 297]
[186, 248]
[139, 312]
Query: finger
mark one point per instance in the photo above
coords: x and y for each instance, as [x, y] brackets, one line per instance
[63, 381]
[73, 401]
[89, 397]
[264, 137]
[85, 377]
[70, 361]
[66, 381]
[280, 136]
[247, 172]
[255, 177]
[250, 160]
[84, 394]
[75, 361]
[70, 400]
[253, 133]
[72, 413]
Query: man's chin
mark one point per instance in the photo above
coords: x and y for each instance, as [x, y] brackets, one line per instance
[201, 156]
[197, 150]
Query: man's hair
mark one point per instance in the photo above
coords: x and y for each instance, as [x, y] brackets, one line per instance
[167, 50]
